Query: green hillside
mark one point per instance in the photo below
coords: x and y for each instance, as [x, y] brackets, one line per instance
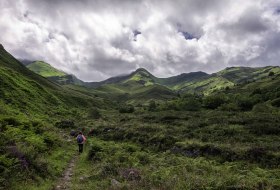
[228, 77]
[220, 132]
[141, 86]
[247, 74]
[44, 69]
[144, 77]
[31, 148]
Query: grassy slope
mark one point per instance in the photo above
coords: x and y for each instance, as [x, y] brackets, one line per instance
[181, 150]
[33, 153]
[53, 74]
[226, 78]
[44, 69]
[209, 149]
[140, 81]
[199, 82]
[170, 149]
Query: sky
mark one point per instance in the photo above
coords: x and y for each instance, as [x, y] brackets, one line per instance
[98, 39]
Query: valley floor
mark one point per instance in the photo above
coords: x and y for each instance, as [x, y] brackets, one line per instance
[180, 150]
[150, 150]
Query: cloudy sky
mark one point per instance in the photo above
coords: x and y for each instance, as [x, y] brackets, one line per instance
[97, 39]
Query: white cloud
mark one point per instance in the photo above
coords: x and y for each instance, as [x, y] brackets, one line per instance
[95, 39]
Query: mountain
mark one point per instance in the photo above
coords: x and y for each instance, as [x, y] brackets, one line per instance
[46, 70]
[139, 86]
[33, 113]
[194, 82]
[26, 92]
[228, 77]
[141, 75]
[126, 87]
[144, 77]
[236, 127]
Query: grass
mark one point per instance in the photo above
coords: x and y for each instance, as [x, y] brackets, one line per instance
[230, 141]
[45, 69]
[180, 150]
[164, 170]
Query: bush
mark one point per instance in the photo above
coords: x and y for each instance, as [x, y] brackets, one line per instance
[94, 113]
[264, 128]
[94, 149]
[190, 104]
[152, 105]
[271, 73]
[126, 109]
[65, 124]
[229, 107]
[245, 103]
[276, 102]
[214, 101]
[262, 108]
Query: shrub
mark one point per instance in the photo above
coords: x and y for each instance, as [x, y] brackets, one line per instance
[229, 107]
[65, 124]
[93, 152]
[190, 104]
[262, 108]
[94, 113]
[10, 121]
[245, 103]
[126, 109]
[276, 102]
[264, 128]
[214, 101]
[271, 73]
[152, 105]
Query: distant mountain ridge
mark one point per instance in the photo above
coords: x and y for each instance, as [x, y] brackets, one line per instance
[193, 82]
[141, 86]
[144, 77]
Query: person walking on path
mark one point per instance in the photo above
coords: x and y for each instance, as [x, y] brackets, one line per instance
[81, 139]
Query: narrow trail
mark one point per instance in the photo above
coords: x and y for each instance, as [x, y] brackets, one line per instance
[64, 181]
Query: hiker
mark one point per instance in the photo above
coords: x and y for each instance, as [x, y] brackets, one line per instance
[81, 139]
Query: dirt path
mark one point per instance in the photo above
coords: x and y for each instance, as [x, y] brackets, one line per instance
[64, 181]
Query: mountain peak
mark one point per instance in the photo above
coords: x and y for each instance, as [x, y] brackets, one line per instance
[141, 70]
[1, 46]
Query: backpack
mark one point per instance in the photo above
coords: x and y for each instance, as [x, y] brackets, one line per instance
[80, 139]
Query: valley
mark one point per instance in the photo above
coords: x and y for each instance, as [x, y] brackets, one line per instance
[191, 131]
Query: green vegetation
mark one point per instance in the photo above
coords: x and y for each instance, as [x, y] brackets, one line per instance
[44, 69]
[33, 150]
[192, 131]
[182, 150]
[53, 74]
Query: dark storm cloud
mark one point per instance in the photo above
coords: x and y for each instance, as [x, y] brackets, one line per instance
[96, 39]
